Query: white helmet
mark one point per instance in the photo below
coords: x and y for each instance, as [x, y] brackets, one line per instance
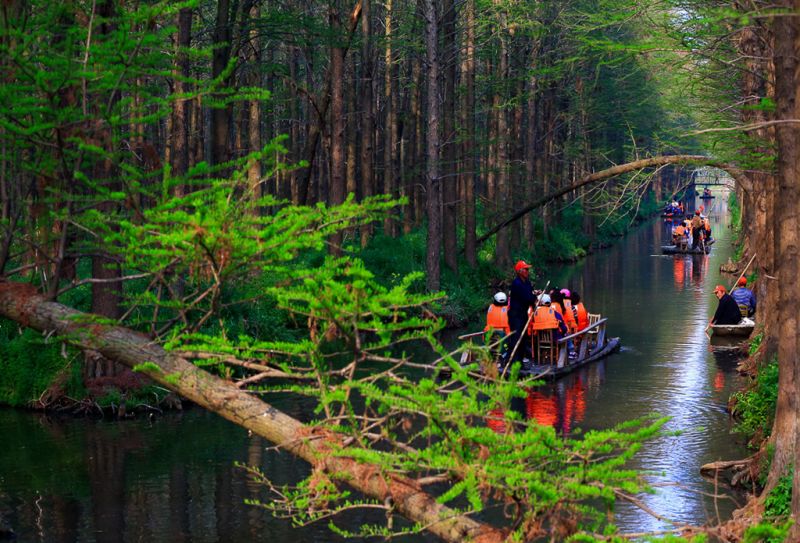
[544, 299]
[500, 298]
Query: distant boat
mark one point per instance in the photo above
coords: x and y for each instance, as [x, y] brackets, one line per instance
[707, 196]
[687, 249]
[743, 329]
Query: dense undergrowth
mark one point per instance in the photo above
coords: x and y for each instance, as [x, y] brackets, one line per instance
[31, 363]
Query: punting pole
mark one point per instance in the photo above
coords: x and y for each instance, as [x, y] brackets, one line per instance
[522, 333]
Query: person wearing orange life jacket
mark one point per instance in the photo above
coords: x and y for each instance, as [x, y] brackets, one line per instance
[546, 317]
[707, 227]
[679, 234]
[581, 315]
[568, 313]
[497, 315]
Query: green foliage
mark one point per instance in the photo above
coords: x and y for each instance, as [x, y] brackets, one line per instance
[778, 502]
[30, 364]
[766, 532]
[754, 408]
[735, 210]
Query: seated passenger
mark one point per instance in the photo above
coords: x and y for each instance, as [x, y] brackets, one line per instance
[744, 297]
[728, 310]
[581, 314]
[497, 315]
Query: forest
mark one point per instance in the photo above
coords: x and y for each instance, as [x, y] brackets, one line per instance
[240, 200]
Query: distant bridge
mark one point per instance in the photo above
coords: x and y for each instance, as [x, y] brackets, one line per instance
[710, 177]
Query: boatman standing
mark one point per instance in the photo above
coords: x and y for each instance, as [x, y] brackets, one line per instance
[728, 309]
[521, 299]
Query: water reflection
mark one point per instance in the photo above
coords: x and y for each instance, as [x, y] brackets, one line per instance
[659, 305]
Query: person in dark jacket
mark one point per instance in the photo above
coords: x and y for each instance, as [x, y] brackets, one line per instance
[520, 300]
[728, 309]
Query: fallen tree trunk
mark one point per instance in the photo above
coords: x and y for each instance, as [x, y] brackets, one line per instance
[611, 172]
[22, 304]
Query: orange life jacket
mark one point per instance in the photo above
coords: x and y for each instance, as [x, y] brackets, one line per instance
[583, 316]
[569, 316]
[544, 318]
[497, 319]
[680, 230]
[707, 224]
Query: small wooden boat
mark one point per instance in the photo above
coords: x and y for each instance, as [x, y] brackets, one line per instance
[743, 329]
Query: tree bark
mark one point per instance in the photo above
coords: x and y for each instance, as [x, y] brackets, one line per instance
[181, 112]
[449, 179]
[787, 252]
[254, 106]
[20, 303]
[367, 115]
[468, 122]
[221, 115]
[338, 165]
[433, 204]
[502, 249]
[390, 129]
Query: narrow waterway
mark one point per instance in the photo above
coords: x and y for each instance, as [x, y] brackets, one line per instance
[174, 479]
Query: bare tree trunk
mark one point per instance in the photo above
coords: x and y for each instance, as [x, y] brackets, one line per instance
[221, 115]
[469, 165]
[447, 173]
[390, 134]
[502, 250]
[433, 204]
[181, 112]
[418, 203]
[338, 182]
[20, 303]
[787, 253]
[368, 114]
[254, 107]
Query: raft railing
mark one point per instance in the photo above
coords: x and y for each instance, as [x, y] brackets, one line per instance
[587, 347]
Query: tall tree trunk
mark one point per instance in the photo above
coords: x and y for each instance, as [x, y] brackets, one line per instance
[447, 171]
[338, 181]
[469, 165]
[254, 106]
[390, 134]
[106, 294]
[221, 114]
[503, 189]
[418, 200]
[181, 111]
[433, 190]
[368, 114]
[787, 252]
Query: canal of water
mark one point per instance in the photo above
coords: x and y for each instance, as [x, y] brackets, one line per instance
[174, 479]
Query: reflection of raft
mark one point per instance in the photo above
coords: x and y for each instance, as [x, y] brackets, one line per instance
[743, 329]
[687, 249]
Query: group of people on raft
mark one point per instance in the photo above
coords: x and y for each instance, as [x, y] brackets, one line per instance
[694, 229]
[673, 209]
[526, 312]
[741, 302]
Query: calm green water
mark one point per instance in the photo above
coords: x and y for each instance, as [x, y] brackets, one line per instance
[174, 479]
